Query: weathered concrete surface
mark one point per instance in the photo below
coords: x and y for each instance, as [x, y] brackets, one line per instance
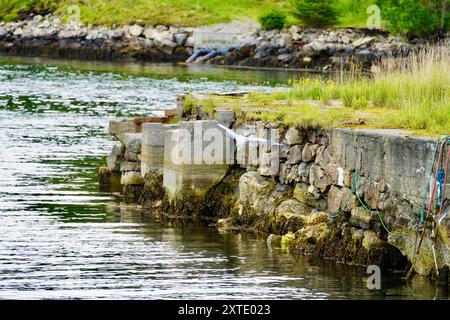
[190, 159]
[226, 117]
[403, 162]
[119, 127]
[152, 154]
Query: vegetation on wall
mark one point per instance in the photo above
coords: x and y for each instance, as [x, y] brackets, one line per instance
[411, 93]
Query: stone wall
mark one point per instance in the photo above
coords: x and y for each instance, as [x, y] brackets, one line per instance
[350, 195]
[47, 36]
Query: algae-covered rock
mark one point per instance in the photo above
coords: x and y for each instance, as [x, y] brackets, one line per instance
[361, 218]
[312, 234]
[132, 178]
[290, 216]
[224, 223]
[108, 177]
[425, 261]
[274, 240]
[371, 240]
[304, 196]
[286, 240]
[254, 191]
[317, 217]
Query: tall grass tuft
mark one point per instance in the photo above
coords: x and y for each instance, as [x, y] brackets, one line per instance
[413, 92]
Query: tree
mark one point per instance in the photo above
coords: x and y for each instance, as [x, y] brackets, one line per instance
[316, 13]
[415, 17]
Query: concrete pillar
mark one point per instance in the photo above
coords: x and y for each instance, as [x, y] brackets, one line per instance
[152, 155]
[197, 156]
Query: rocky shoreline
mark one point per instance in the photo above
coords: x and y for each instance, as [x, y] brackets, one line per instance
[301, 48]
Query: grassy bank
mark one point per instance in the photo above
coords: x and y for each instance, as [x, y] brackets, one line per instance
[410, 94]
[172, 12]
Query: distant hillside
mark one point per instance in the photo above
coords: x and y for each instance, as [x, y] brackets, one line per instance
[169, 12]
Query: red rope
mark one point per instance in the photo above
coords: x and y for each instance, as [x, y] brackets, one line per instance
[441, 149]
[445, 180]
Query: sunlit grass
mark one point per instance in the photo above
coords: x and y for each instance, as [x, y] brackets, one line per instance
[411, 93]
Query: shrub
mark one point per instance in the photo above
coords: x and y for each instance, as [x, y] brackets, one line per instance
[411, 17]
[273, 20]
[316, 13]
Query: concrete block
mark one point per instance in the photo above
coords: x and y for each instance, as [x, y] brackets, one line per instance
[153, 134]
[187, 161]
[225, 117]
[133, 142]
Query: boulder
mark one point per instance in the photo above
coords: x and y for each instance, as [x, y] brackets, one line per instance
[318, 178]
[127, 166]
[360, 218]
[136, 30]
[309, 152]
[292, 208]
[302, 194]
[362, 42]
[254, 191]
[371, 240]
[180, 38]
[269, 164]
[295, 155]
[294, 136]
[133, 142]
[131, 178]
[349, 200]
[115, 158]
[332, 173]
[313, 233]
[323, 156]
[335, 197]
[372, 195]
[303, 171]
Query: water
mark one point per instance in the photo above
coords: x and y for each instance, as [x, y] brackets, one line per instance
[61, 238]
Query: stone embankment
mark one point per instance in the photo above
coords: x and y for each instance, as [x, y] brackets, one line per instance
[350, 195]
[314, 49]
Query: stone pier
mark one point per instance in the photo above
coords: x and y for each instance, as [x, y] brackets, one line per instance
[352, 195]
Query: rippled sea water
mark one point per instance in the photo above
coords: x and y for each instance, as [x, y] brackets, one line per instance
[61, 238]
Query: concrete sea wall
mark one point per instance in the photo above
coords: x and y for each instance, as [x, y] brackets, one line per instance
[356, 196]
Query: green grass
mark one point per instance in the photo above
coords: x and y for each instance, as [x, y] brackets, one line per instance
[411, 94]
[174, 12]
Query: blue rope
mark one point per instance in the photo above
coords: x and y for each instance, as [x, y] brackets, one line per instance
[440, 179]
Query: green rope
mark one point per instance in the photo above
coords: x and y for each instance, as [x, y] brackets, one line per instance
[342, 210]
[356, 178]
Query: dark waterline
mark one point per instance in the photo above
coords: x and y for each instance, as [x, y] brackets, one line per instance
[60, 237]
